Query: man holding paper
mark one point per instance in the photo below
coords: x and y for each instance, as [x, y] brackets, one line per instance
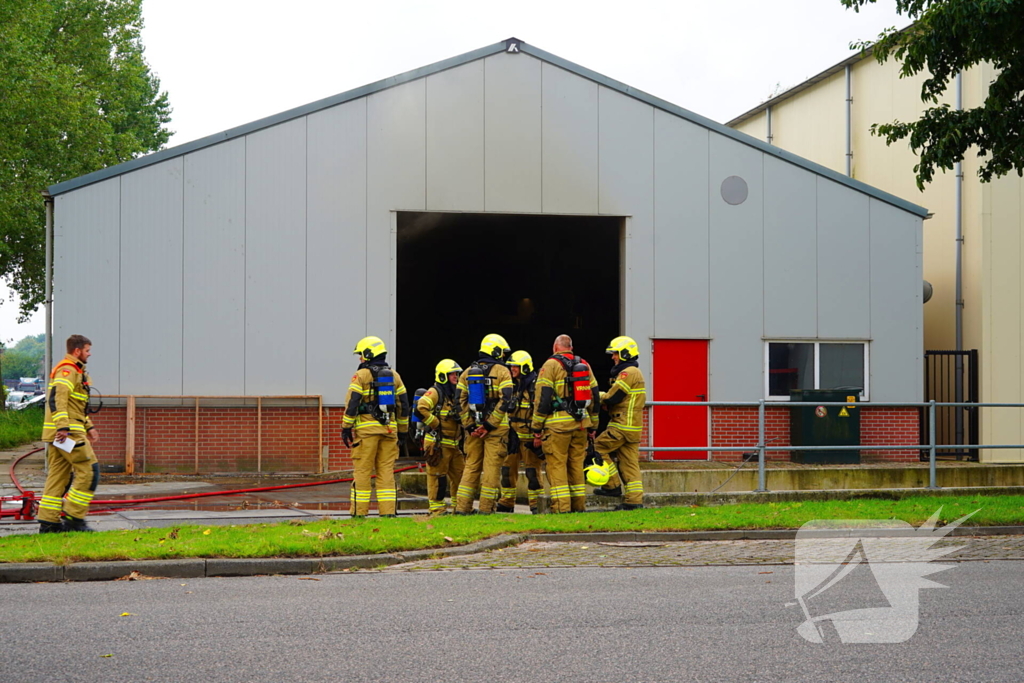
[68, 433]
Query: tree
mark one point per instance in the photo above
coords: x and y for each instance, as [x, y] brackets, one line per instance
[947, 37]
[77, 96]
[24, 358]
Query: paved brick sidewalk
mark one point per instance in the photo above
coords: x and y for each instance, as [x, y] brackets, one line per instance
[544, 554]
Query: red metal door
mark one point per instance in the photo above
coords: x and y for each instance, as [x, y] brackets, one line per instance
[680, 374]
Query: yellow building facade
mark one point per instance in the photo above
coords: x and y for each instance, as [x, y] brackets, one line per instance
[811, 120]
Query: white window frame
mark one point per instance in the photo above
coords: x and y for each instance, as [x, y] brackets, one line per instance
[864, 395]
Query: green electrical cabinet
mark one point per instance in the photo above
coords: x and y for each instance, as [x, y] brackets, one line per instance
[825, 426]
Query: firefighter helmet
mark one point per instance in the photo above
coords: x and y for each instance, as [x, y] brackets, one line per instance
[597, 474]
[523, 360]
[445, 368]
[625, 347]
[495, 346]
[369, 348]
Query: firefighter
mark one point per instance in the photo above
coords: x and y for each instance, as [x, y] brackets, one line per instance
[376, 419]
[619, 444]
[564, 419]
[438, 409]
[73, 474]
[520, 442]
[485, 400]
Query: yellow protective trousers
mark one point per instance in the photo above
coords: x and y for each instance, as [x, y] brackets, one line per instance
[70, 483]
[444, 477]
[483, 469]
[374, 453]
[510, 475]
[615, 445]
[564, 453]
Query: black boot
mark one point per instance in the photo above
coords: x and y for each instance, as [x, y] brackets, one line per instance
[389, 515]
[76, 524]
[50, 527]
[504, 508]
[615, 492]
[629, 506]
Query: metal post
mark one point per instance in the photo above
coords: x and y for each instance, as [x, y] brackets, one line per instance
[48, 284]
[129, 446]
[197, 436]
[259, 434]
[931, 445]
[849, 120]
[761, 474]
[958, 395]
[769, 136]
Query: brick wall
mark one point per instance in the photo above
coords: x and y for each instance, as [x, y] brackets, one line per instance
[738, 427]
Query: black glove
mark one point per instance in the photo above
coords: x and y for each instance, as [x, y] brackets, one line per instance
[346, 437]
[591, 433]
[403, 446]
[513, 442]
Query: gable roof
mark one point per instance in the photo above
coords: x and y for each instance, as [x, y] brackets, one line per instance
[512, 44]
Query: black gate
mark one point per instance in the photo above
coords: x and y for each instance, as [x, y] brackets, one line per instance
[952, 377]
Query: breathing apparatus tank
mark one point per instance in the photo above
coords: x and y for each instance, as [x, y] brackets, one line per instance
[580, 378]
[384, 389]
[477, 380]
[419, 427]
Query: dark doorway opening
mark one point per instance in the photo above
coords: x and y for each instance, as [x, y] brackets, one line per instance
[528, 278]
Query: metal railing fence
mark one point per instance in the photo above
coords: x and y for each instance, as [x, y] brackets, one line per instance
[762, 447]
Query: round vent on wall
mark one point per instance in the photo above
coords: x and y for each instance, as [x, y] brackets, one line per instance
[734, 190]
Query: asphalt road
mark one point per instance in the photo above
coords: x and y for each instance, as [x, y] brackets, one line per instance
[578, 624]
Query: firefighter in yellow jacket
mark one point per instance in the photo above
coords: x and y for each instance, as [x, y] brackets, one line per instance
[485, 397]
[621, 440]
[72, 475]
[376, 419]
[520, 443]
[563, 423]
[438, 409]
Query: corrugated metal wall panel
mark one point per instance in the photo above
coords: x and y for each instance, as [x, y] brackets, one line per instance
[87, 277]
[736, 256]
[570, 157]
[396, 180]
[512, 113]
[790, 251]
[843, 263]
[626, 187]
[336, 246]
[455, 139]
[896, 360]
[275, 260]
[213, 292]
[681, 277]
[151, 252]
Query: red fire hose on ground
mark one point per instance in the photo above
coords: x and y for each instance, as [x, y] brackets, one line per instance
[28, 499]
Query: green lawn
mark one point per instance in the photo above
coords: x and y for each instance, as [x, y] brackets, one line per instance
[318, 538]
[19, 427]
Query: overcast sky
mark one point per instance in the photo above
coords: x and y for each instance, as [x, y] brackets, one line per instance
[224, 63]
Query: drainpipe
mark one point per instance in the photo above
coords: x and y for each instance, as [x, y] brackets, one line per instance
[849, 120]
[768, 122]
[48, 276]
[959, 180]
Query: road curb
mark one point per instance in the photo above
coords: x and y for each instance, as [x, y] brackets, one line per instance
[42, 572]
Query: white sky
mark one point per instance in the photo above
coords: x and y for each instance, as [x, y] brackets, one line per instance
[228, 62]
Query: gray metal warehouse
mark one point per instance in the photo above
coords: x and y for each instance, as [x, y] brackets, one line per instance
[505, 190]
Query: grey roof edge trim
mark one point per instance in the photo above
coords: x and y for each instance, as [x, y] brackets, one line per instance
[736, 135]
[459, 60]
[800, 87]
[274, 119]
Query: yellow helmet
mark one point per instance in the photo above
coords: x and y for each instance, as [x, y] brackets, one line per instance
[597, 474]
[444, 368]
[625, 347]
[495, 346]
[368, 348]
[523, 360]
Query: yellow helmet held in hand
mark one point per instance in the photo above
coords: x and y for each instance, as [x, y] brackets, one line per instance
[597, 474]
[369, 348]
[523, 360]
[445, 368]
[495, 346]
[625, 347]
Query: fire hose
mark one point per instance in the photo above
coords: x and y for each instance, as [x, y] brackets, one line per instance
[28, 499]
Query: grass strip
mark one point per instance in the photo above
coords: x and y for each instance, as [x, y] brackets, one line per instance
[19, 427]
[324, 538]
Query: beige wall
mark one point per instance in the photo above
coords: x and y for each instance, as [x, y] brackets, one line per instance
[812, 123]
